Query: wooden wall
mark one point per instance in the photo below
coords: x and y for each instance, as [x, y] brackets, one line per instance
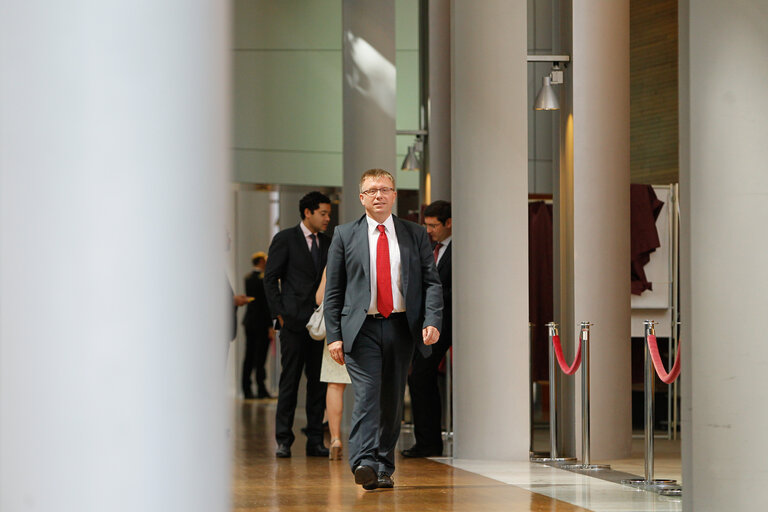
[653, 91]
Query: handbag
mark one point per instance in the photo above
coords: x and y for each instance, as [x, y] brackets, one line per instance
[316, 324]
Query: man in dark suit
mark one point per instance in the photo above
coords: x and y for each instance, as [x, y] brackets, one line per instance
[382, 299]
[258, 329]
[422, 381]
[297, 256]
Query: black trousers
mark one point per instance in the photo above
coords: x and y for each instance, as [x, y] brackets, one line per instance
[300, 352]
[256, 350]
[426, 404]
[378, 367]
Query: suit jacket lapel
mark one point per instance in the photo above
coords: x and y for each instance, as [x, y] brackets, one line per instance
[362, 249]
[406, 246]
[307, 256]
[446, 257]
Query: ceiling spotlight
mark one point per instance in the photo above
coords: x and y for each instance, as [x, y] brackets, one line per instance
[412, 162]
[547, 97]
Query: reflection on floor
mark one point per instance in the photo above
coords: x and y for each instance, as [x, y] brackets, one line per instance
[262, 482]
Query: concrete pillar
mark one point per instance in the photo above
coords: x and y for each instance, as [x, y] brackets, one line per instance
[599, 127]
[490, 211]
[368, 47]
[725, 351]
[113, 313]
[439, 91]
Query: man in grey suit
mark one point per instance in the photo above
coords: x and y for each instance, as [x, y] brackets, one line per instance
[382, 299]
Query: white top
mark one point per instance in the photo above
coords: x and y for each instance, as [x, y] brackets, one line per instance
[398, 300]
[445, 243]
[308, 236]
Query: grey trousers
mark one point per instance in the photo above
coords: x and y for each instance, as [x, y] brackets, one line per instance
[378, 367]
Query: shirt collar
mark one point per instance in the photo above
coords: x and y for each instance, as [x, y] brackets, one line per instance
[305, 229]
[446, 242]
[389, 224]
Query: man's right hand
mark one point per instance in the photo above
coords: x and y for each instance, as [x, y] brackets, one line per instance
[336, 350]
[280, 319]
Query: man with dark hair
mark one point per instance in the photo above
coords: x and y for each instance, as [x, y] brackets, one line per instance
[258, 329]
[382, 301]
[422, 381]
[295, 265]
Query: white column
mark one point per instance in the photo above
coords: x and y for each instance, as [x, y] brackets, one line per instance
[601, 250]
[369, 88]
[113, 168]
[439, 85]
[490, 211]
[726, 353]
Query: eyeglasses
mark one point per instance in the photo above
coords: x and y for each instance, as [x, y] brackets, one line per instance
[371, 192]
[433, 226]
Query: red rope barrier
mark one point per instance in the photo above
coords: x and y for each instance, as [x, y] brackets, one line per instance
[674, 373]
[568, 370]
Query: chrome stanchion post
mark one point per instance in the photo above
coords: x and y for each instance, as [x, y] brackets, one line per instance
[649, 482]
[449, 403]
[553, 382]
[585, 435]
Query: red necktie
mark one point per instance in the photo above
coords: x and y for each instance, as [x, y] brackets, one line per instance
[383, 278]
[438, 245]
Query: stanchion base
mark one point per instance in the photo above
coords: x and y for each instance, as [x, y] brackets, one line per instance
[552, 459]
[672, 490]
[649, 485]
[586, 467]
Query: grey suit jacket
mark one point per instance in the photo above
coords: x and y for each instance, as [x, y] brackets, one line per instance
[348, 282]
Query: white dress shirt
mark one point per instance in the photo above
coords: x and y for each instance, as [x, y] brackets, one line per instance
[445, 245]
[398, 300]
[308, 236]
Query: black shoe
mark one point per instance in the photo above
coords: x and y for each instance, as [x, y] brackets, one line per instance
[326, 428]
[385, 481]
[317, 450]
[366, 476]
[283, 451]
[263, 393]
[417, 451]
[248, 395]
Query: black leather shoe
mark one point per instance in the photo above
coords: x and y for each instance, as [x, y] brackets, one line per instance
[366, 476]
[283, 451]
[417, 451]
[385, 481]
[248, 395]
[263, 393]
[317, 450]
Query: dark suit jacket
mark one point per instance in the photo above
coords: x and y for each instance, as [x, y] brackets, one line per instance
[257, 315]
[444, 270]
[348, 282]
[290, 279]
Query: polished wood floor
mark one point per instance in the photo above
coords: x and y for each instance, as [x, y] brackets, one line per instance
[263, 483]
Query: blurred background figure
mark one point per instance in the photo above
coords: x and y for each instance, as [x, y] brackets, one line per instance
[336, 378]
[422, 381]
[296, 260]
[258, 329]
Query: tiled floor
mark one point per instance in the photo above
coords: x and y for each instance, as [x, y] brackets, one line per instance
[588, 492]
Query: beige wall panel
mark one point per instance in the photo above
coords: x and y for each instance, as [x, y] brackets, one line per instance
[287, 24]
[288, 101]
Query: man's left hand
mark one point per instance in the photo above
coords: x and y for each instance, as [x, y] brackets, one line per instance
[430, 335]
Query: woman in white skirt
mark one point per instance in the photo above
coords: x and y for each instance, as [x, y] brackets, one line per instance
[337, 378]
